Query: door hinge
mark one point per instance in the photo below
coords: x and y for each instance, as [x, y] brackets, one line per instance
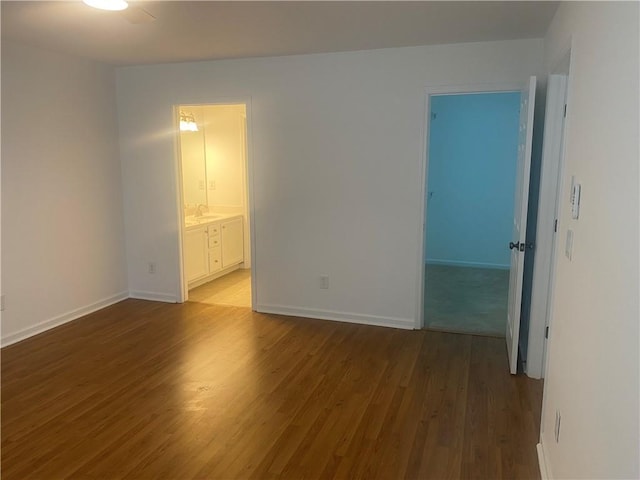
[546, 332]
[565, 111]
[555, 225]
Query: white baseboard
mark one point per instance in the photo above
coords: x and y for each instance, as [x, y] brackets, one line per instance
[62, 319]
[213, 276]
[456, 263]
[404, 323]
[542, 463]
[153, 296]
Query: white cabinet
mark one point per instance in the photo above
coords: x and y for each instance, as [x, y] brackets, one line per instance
[196, 252]
[232, 242]
[213, 249]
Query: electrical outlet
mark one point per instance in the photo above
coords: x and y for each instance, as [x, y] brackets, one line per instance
[557, 429]
[324, 281]
[152, 267]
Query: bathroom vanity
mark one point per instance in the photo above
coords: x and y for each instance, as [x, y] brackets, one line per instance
[213, 246]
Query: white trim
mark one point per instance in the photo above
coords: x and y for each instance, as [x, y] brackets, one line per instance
[213, 276]
[542, 462]
[564, 64]
[153, 296]
[62, 319]
[477, 88]
[419, 320]
[500, 87]
[457, 263]
[404, 323]
[183, 292]
[546, 238]
[183, 288]
[251, 199]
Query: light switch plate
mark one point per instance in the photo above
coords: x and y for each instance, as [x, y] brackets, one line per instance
[575, 200]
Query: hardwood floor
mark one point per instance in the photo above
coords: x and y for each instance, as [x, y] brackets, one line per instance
[152, 390]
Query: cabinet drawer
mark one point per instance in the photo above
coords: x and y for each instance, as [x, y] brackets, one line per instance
[214, 230]
[215, 259]
[214, 242]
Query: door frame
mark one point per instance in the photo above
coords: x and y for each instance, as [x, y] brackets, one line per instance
[561, 66]
[183, 289]
[467, 89]
[550, 193]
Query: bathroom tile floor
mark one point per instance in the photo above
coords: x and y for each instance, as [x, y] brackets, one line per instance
[466, 300]
[233, 289]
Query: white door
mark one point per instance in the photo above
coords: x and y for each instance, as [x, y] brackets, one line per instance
[518, 242]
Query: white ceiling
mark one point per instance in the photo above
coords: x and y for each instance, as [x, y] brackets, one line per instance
[185, 30]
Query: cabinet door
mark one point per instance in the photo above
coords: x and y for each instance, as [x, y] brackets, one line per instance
[215, 260]
[232, 242]
[196, 254]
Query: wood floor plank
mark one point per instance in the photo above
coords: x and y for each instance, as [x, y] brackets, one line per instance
[151, 390]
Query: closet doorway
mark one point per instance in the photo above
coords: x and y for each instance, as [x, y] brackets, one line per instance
[471, 182]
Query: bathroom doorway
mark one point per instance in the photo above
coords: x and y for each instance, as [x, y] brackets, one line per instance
[213, 151]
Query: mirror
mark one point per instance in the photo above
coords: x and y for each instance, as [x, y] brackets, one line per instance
[192, 152]
[214, 157]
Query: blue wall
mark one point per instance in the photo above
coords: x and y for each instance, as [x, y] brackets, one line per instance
[473, 146]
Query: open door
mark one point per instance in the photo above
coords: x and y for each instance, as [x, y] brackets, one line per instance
[518, 245]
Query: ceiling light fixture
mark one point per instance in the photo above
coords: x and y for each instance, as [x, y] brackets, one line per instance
[107, 4]
[188, 122]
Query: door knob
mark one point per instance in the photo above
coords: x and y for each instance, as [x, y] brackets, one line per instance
[518, 246]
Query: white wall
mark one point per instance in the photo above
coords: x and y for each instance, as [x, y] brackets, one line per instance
[62, 220]
[337, 147]
[593, 364]
[224, 139]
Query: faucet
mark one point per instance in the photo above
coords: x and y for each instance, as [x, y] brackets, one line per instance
[198, 212]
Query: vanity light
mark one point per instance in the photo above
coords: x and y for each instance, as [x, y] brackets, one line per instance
[107, 4]
[188, 122]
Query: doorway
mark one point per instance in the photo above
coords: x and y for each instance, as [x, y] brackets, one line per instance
[215, 208]
[472, 151]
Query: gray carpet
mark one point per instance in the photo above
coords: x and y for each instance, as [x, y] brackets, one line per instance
[466, 300]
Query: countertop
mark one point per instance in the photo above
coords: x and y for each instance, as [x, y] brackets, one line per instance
[191, 222]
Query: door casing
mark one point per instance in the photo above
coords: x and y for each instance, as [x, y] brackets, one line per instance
[183, 292]
[546, 238]
[509, 87]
